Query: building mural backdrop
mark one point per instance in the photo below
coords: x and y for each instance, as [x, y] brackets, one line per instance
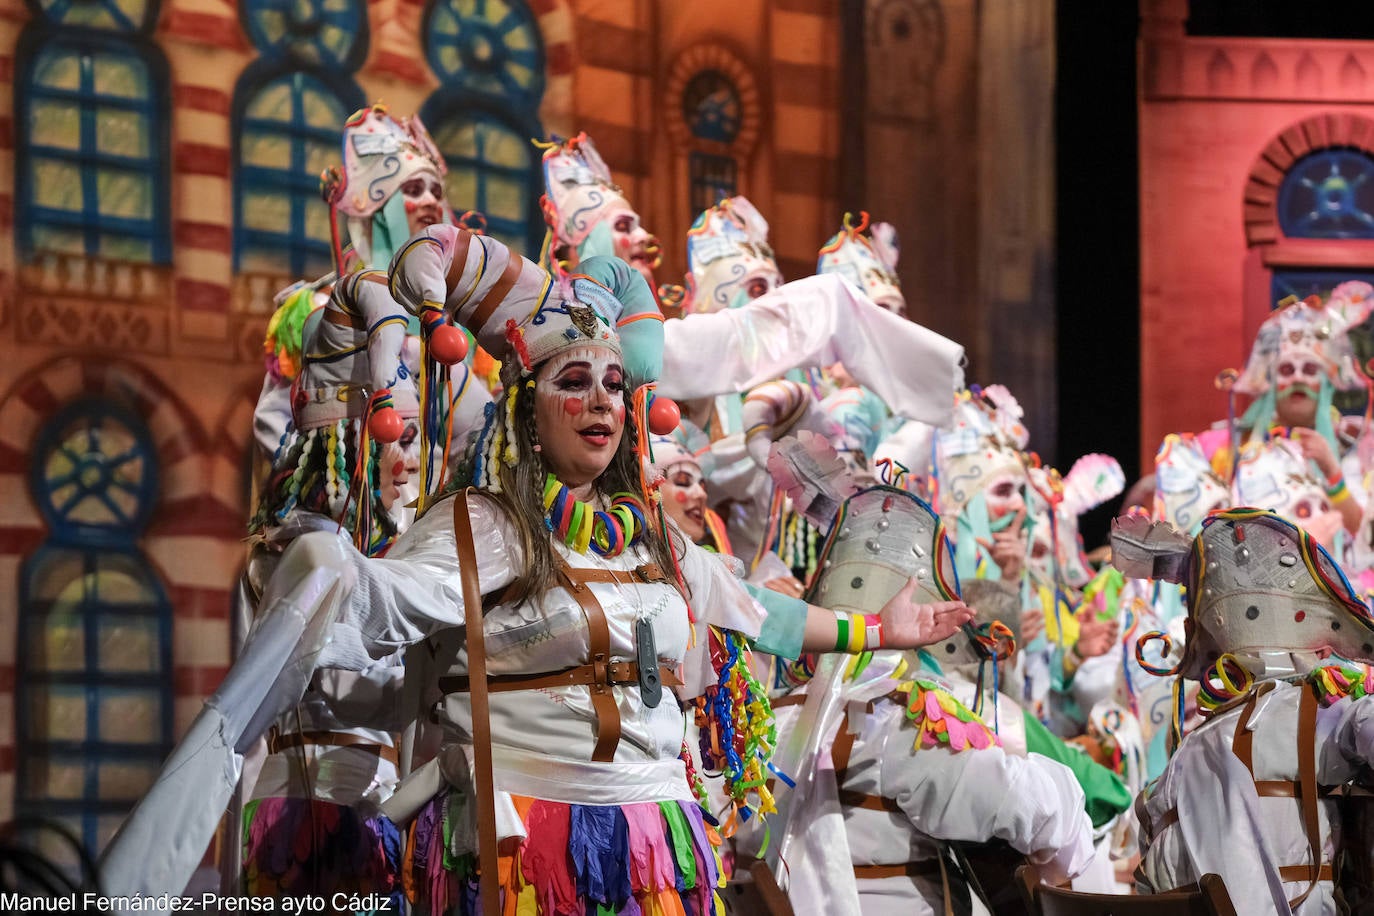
[159, 173]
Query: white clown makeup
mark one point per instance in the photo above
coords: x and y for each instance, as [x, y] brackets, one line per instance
[1004, 498]
[684, 498]
[424, 199]
[633, 243]
[579, 410]
[1299, 376]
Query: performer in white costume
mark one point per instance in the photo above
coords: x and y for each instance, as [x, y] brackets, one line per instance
[1255, 794]
[391, 185]
[585, 748]
[888, 763]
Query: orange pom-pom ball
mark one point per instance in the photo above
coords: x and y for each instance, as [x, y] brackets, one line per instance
[386, 425]
[448, 345]
[664, 416]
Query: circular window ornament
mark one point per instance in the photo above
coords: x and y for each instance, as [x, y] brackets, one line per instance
[488, 46]
[323, 33]
[95, 471]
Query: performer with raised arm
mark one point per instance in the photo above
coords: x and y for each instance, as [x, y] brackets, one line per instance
[592, 606]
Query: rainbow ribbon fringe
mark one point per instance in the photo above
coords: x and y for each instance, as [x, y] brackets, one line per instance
[738, 730]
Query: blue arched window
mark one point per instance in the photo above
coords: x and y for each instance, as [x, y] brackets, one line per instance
[287, 129]
[94, 671]
[92, 152]
[711, 107]
[1328, 194]
[108, 15]
[492, 168]
[489, 57]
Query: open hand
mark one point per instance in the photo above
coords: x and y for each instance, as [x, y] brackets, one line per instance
[909, 625]
[1095, 637]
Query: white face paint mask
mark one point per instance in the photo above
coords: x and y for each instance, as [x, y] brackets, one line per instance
[580, 412]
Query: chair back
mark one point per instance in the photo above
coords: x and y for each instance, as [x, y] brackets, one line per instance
[1207, 898]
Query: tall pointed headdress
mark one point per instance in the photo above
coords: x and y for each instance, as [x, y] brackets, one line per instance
[868, 261]
[380, 154]
[578, 190]
[727, 251]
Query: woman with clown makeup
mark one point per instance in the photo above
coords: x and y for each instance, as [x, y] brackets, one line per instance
[587, 214]
[593, 608]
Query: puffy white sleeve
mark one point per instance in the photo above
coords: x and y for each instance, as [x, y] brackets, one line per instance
[978, 795]
[417, 589]
[386, 327]
[717, 597]
[1352, 729]
[808, 323]
[271, 416]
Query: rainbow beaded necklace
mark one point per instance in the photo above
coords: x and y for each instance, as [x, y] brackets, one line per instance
[581, 527]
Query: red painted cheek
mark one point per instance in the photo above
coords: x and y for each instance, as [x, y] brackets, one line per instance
[620, 413]
[680, 497]
[411, 206]
[398, 469]
[572, 406]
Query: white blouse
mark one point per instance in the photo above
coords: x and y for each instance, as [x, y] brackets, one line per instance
[543, 739]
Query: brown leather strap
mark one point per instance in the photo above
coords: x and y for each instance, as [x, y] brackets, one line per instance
[277, 742]
[648, 572]
[458, 265]
[1304, 873]
[868, 802]
[925, 868]
[599, 643]
[1243, 741]
[481, 712]
[775, 901]
[373, 276]
[1276, 788]
[843, 746]
[621, 674]
[1167, 819]
[944, 882]
[792, 699]
[1307, 787]
[497, 294]
[1289, 874]
[343, 320]
[839, 754]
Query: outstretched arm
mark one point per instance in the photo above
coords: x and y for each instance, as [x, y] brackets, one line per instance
[814, 323]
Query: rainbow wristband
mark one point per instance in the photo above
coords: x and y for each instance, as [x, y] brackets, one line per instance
[1339, 493]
